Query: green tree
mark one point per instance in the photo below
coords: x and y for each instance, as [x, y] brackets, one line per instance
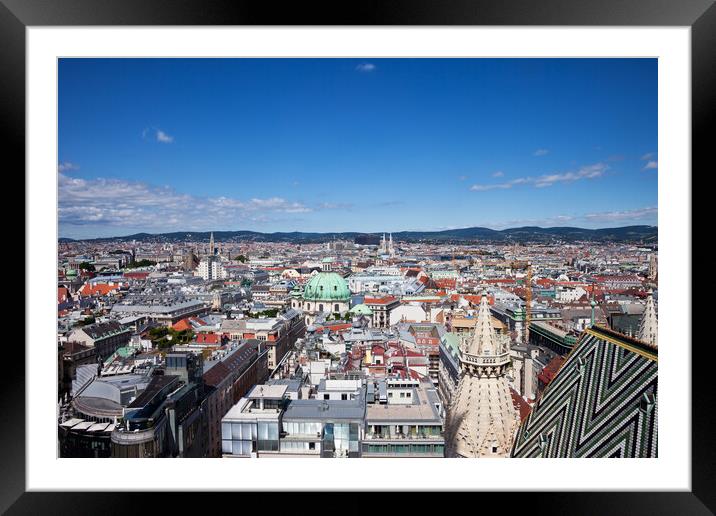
[140, 263]
[90, 319]
[271, 312]
[241, 258]
[86, 266]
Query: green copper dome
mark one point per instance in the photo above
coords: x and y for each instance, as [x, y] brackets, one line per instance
[326, 286]
[361, 309]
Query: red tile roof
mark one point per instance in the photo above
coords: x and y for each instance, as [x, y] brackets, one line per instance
[136, 275]
[182, 325]
[208, 338]
[472, 298]
[338, 327]
[551, 370]
[100, 289]
[520, 404]
[379, 300]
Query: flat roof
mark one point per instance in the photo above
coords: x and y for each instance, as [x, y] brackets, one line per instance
[325, 409]
[267, 392]
[244, 411]
[421, 410]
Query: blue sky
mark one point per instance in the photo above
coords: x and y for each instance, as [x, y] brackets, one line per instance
[355, 144]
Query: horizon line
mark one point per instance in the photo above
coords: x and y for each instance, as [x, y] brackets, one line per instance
[359, 232]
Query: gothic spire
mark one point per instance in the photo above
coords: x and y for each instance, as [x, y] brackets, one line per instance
[482, 418]
[648, 326]
[484, 341]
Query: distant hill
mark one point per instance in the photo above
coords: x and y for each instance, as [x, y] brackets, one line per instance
[647, 234]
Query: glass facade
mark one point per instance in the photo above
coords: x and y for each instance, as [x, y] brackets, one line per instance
[299, 447]
[310, 428]
[238, 438]
[267, 436]
[341, 438]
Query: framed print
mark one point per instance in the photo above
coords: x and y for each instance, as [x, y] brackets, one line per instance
[393, 238]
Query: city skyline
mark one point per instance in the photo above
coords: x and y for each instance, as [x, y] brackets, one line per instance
[367, 145]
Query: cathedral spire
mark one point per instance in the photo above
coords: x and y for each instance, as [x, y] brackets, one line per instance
[484, 340]
[648, 326]
[211, 243]
[481, 419]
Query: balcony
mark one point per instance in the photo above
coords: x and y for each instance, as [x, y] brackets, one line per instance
[492, 360]
[403, 437]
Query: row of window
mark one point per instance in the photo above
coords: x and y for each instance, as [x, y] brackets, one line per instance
[299, 447]
[402, 394]
[249, 431]
[404, 449]
[308, 428]
[407, 430]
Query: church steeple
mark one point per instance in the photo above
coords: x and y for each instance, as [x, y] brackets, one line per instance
[482, 418]
[484, 340]
[211, 244]
[648, 326]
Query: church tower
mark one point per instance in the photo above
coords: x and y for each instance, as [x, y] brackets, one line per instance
[212, 249]
[648, 326]
[482, 419]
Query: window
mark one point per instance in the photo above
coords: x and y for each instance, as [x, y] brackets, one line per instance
[326, 396]
[344, 396]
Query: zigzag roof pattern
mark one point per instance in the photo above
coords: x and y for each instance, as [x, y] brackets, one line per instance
[603, 402]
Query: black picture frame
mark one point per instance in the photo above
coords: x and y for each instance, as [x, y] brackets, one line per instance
[700, 15]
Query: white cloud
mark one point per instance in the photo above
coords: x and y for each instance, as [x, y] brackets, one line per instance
[585, 172]
[67, 166]
[485, 188]
[120, 203]
[335, 206]
[648, 212]
[651, 161]
[462, 178]
[164, 137]
[599, 219]
[499, 173]
[541, 152]
[365, 67]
